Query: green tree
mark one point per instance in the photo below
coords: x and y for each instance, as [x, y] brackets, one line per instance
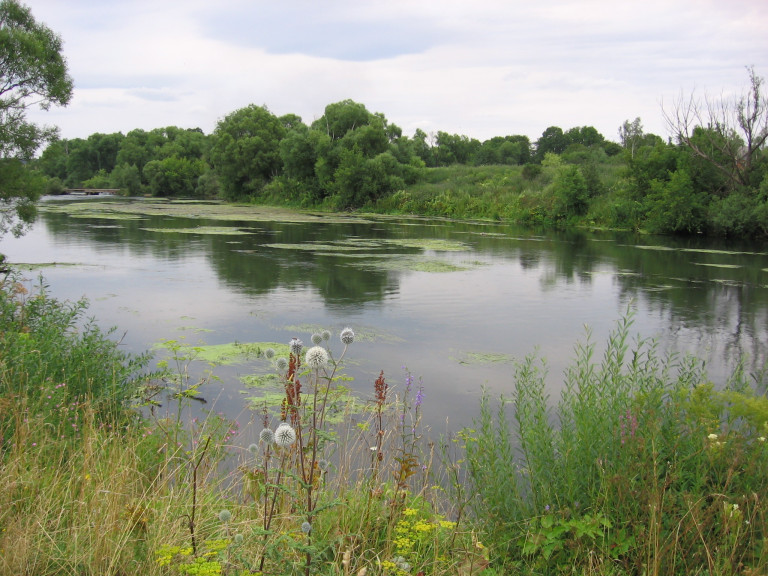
[245, 151]
[33, 72]
[553, 141]
[342, 117]
[173, 176]
[126, 177]
[675, 206]
[571, 193]
[735, 130]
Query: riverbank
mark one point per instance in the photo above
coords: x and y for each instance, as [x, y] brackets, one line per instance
[649, 469]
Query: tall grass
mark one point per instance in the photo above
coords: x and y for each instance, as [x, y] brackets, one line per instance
[642, 467]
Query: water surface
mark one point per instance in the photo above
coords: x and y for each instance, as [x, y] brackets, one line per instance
[454, 302]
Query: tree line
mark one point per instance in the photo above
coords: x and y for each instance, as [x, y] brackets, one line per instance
[347, 158]
[709, 177]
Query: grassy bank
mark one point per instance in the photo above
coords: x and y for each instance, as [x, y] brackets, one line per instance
[641, 467]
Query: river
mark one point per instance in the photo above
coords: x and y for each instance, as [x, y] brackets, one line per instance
[456, 303]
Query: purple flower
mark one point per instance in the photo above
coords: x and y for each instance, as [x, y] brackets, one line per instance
[419, 397]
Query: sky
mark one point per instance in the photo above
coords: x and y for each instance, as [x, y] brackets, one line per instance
[479, 68]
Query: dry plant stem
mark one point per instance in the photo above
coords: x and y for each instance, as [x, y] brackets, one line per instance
[195, 466]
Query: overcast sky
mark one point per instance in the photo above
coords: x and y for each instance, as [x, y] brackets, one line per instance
[480, 68]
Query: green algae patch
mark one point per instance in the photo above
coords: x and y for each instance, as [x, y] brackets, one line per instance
[224, 354]
[401, 263]
[317, 247]
[29, 266]
[475, 358]
[435, 244]
[107, 216]
[197, 209]
[717, 265]
[212, 230]
[658, 248]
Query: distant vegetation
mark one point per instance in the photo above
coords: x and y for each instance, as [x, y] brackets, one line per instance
[713, 179]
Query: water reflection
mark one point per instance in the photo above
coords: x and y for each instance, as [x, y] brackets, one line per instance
[424, 293]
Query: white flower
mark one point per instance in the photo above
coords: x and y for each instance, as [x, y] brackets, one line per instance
[317, 338]
[347, 336]
[326, 335]
[285, 435]
[266, 436]
[269, 353]
[296, 346]
[712, 436]
[317, 357]
[281, 363]
[761, 439]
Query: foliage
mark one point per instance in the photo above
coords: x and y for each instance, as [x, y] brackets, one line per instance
[643, 467]
[245, 150]
[351, 159]
[33, 72]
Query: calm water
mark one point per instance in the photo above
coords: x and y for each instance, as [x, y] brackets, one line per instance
[498, 293]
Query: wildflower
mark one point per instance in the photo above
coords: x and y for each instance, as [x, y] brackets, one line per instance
[317, 338]
[269, 353]
[285, 435]
[281, 363]
[306, 527]
[347, 336]
[761, 439]
[296, 346]
[266, 436]
[712, 437]
[317, 357]
[419, 397]
[225, 515]
[326, 335]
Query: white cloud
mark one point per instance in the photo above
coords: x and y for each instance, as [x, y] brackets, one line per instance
[485, 68]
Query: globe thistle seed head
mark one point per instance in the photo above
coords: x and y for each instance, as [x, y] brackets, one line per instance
[266, 436]
[326, 335]
[317, 338]
[347, 336]
[253, 448]
[225, 515]
[306, 527]
[323, 465]
[317, 357]
[296, 346]
[269, 353]
[239, 539]
[281, 364]
[285, 435]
